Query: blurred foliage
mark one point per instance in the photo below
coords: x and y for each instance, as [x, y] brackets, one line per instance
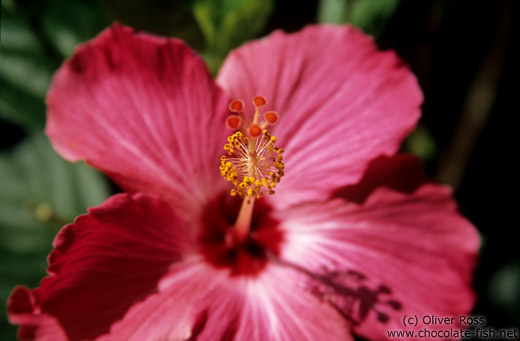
[36, 36]
[39, 193]
[504, 288]
[370, 16]
[229, 23]
[25, 72]
[167, 18]
[66, 24]
[421, 143]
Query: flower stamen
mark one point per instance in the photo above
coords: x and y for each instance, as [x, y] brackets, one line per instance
[254, 164]
[236, 106]
[233, 122]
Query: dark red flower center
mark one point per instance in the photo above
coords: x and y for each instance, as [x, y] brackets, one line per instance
[222, 249]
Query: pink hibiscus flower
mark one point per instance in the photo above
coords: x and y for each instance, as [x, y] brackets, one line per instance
[354, 238]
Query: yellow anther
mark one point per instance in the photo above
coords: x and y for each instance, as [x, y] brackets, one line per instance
[254, 170]
[253, 163]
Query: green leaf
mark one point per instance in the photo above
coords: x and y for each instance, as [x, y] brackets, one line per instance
[172, 18]
[504, 289]
[229, 23]
[39, 193]
[25, 72]
[68, 23]
[421, 143]
[21, 107]
[369, 15]
[36, 36]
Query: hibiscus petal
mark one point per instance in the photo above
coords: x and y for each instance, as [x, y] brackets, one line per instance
[175, 312]
[341, 103]
[396, 254]
[144, 110]
[33, 325]
[102, 264]
[129, 270]
[401, 172]
[279, 308]
[207, 304]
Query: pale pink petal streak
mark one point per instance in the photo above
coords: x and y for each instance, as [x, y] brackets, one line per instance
[206, 304]
[341, 102]
[279, 308]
